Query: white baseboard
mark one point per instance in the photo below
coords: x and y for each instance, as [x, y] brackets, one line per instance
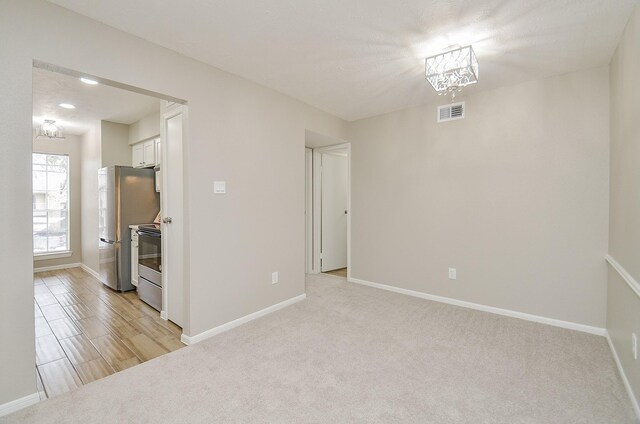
[16, 405]
[56, 267]
[189, 340]
[506, 312]
[163, 315]
[625, 380]
[90, 271]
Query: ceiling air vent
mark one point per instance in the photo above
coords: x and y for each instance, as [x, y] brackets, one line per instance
[451, 112]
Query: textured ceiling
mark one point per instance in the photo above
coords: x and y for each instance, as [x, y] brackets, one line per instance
[361, 58]
[93, 102]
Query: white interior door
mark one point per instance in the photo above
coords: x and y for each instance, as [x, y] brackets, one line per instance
[334, 211]
[172, 212]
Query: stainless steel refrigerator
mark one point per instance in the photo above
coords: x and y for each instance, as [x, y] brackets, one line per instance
[127, 196]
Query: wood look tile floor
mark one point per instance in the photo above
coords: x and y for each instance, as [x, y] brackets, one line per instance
[342, 272]
[86, 331]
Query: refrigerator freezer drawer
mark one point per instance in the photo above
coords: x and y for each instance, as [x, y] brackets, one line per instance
[150, 294]
[108, 253]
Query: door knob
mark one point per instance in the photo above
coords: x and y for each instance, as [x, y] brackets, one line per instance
[167, 220]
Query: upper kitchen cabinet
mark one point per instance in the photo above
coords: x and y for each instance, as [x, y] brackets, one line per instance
[145, 154]
[137, 160]
[144, 138]
[158, 155]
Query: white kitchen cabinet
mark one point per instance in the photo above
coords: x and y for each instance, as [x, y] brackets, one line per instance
[134, 256]
[158, 156]
[150, 153]
[138, 155]
[146, 153]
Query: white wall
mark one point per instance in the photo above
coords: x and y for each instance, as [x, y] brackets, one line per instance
[623, 304]
[146, 128]
[90, 163]
[114, 142]
[514, 196]
[246, 134]
[70, 146]
[16, 244]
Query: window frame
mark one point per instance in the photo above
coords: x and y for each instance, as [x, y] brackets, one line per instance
[53, 254]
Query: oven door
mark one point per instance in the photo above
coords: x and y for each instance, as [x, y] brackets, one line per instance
[150, 257]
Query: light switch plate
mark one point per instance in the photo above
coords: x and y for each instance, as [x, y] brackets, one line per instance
[219, 187]
[453, 274]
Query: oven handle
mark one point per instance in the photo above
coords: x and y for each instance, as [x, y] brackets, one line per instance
[149, 234]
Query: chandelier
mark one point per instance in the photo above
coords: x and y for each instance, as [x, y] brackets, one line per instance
[50, 130]
[451, 71]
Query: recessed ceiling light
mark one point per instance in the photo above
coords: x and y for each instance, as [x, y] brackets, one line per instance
[67, 105]
[88, 81]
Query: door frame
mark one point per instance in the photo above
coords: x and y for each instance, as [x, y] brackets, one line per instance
[308, 210]
[316, 222]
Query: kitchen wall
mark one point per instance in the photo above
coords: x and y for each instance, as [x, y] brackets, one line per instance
[106, 144]
[91, 154]
[623, 304]
[239, 131]
[514, 197]
[114, 142]
[69, 146]
[146, 128]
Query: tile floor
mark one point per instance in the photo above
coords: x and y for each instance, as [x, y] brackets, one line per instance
[342, 272]
[86, 331]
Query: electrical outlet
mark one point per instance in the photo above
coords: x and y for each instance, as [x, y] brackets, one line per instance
[219, 187]
[274, 277]
[452, 274]
[634, 345]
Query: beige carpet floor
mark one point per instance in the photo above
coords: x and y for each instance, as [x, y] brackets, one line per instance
[353, 354]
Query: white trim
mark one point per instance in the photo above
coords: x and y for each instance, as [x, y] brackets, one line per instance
[189, 340]
[90, 271]
[308, 209]
[499, 311]
[18, 404]
[635, 286]
[625, 380]
[56, 267]
[153, 137]
[316, 212]
[163, 315]
[52, 255]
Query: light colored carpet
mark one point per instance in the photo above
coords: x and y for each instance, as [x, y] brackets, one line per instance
[354, 354]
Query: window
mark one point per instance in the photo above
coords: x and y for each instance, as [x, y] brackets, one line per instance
[50, 203]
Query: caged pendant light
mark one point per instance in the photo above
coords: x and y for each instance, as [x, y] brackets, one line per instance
[451, 71]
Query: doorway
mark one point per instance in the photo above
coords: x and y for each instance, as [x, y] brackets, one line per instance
[107, 158]
[328, 184]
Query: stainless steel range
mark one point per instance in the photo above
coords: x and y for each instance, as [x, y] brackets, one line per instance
[150, 265]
